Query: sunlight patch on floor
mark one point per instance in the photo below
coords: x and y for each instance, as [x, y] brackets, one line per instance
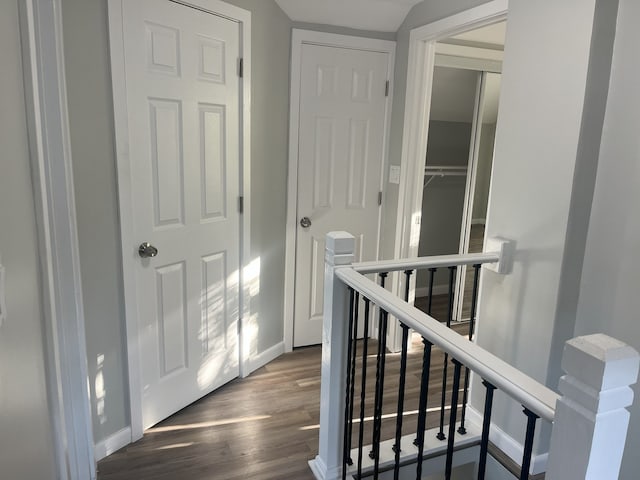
[387, 415]
[176, 445]
[216, 423]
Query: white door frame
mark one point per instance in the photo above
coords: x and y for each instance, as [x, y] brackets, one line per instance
[298, 39]
[416, 120]
[125, 191]
[50, 151]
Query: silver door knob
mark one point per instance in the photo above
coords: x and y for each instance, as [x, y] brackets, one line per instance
[146, 250]
[305, 222]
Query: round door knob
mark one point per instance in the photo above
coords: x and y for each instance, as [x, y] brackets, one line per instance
[305, 222]
[146, 250]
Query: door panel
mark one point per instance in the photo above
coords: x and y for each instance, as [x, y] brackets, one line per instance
[341, 142]
[183, 101]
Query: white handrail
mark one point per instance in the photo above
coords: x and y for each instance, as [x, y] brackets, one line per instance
[519, 386]
[425, 262]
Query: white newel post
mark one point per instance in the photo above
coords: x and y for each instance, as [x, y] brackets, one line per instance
[591, 421]
[327, 465]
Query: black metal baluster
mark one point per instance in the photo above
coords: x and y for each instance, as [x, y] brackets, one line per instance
[462, 430]
[346, 445]
[378, 414]
[440, 435]
[486, 425]
[353, 375]
[403, 370]
[407, 284]
[474, 300]
[457, 366]
[532, 418]
[452, 277]
[401, 387]
[372, 453]
[363, 385]
[400, 410]
[382, 345]
[432, 272]
[422, 407]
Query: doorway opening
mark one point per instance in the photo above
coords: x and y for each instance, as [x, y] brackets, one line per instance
[465, 49]
[459, 156]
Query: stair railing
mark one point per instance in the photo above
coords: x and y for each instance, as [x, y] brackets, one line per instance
[595, 390]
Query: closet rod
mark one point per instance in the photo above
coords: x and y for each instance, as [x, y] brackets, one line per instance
[433, 171]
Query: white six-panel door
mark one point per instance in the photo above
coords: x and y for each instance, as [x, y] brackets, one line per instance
[340, 155]
[183, 103]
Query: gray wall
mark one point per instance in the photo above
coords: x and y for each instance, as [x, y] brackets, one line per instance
[86, 41]
[525, 317]
[423, 13]
[26, 451]
[609, 300]
[270, 53]
[92, 139]
[519, 316]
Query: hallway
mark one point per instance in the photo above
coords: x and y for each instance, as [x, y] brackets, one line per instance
[265, 426]
[250, 428]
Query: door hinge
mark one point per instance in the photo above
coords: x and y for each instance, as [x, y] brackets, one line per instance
[386, 89]
[379, 198]
[241, 68]
[241, 204]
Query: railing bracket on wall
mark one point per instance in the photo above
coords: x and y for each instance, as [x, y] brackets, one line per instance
[505, 250]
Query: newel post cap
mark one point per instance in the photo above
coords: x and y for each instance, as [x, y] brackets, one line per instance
[340, 248]
[601, 362]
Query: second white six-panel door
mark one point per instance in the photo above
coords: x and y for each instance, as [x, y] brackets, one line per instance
[341, 149]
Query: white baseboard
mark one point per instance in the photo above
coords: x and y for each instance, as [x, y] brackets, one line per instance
[509, 445]
[437, 290]
[265, 357]
[112, 443]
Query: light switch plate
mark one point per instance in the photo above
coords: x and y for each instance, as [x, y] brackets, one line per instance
[394, 174]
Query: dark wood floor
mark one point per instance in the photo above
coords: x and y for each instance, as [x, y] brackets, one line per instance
[265, 426]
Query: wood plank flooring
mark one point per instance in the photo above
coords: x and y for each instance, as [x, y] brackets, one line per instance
[266, 426]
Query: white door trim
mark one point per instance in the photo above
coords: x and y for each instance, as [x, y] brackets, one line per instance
[416, 119]
[50, 151]
[298, 38]
[116, 43]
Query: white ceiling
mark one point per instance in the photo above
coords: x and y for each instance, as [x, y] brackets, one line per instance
[377, 15]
